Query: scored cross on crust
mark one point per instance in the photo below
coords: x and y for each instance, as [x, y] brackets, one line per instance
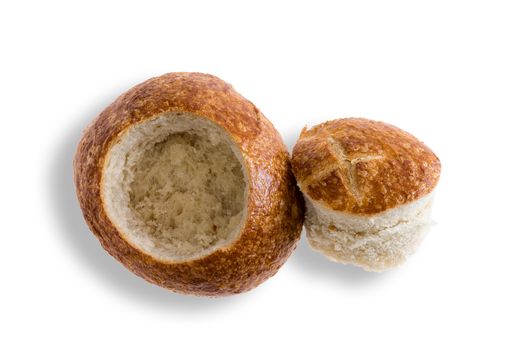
[346, 166]
[362, 166]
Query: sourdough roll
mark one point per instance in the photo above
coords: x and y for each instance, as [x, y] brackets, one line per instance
[368, 189]
[189, 186]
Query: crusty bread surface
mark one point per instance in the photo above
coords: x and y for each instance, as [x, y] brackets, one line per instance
[368, 190]
[188, 185]
[362, 166]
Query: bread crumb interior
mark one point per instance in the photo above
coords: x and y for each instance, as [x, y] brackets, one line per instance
[375, 243]
[175, 187]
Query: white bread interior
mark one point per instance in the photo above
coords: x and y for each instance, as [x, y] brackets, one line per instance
[175, 187]
[373, 242]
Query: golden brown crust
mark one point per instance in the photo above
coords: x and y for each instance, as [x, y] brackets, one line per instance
[362, 166]
[274, 208]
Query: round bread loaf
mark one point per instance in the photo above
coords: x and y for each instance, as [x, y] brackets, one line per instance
[368, 191]
[189, 186]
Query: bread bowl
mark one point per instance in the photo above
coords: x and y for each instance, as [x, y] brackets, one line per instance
[188, 185]
[368, 189]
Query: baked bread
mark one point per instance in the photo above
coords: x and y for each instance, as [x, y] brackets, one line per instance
[188, 185]
[368, 189]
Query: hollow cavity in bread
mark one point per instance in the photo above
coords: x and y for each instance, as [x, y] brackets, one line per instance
[272, 209]
[175, 187]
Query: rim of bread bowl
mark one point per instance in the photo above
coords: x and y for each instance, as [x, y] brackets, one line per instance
[233, 236]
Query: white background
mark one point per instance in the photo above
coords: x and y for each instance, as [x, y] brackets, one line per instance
[457, 74]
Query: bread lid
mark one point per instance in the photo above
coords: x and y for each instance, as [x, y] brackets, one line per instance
[361, 166]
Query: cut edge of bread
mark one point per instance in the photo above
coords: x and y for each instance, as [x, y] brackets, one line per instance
[374, 242]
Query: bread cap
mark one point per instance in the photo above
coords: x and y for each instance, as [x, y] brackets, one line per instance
[273, 214]
[361, 166]
[368, 191]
